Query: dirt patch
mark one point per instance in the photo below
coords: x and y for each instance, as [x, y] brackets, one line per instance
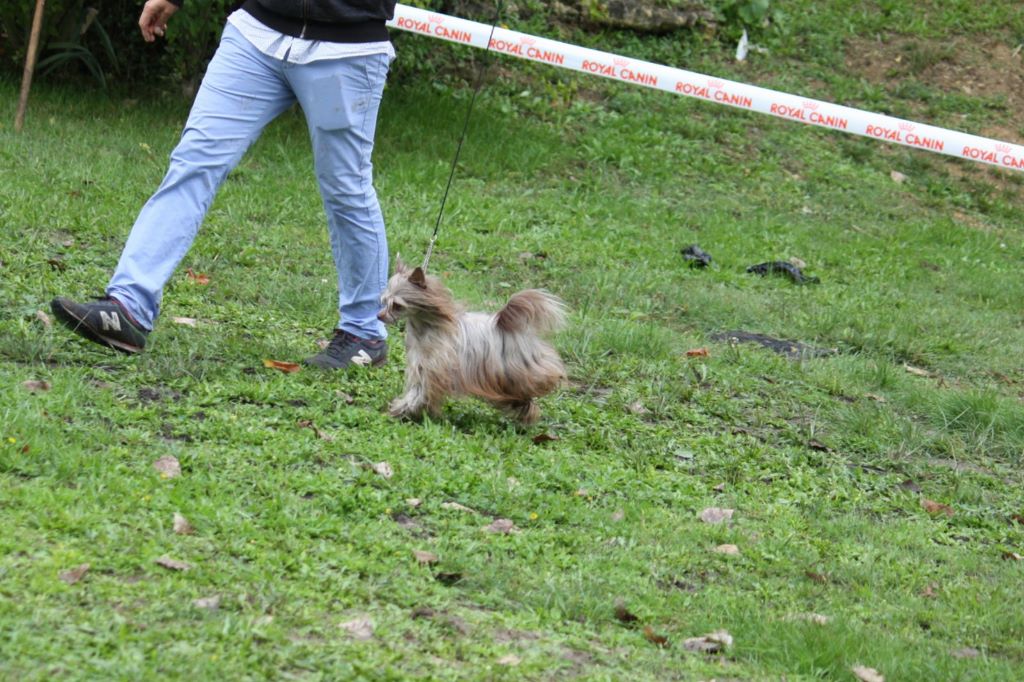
[987, 69]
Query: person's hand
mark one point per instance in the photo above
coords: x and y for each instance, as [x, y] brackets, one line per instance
[153, 21]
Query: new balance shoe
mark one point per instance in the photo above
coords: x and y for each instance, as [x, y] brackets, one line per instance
[104, 322]
[346, 350]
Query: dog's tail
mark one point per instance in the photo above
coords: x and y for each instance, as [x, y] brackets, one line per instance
[532, 309]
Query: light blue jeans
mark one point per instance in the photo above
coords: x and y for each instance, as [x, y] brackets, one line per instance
[242, 91]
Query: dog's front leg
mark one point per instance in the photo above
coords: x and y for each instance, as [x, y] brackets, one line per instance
[410, 404]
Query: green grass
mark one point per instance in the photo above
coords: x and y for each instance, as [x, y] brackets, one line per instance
[825, 461]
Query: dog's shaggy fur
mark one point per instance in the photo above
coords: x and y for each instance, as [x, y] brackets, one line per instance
[501, 358]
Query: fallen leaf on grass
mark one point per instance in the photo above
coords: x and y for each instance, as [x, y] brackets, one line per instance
[897, 177]
[698, 353]
[168, 466]
[930, 591]
[815, 618]
[36, 385]
[720, 488]
[308, 424]
[815, 444]
[865, 674]
[501, 527]
[817, 577]
[638, 408]
[382, 469]
[918, 372]
[185, 321]
[414, 502]
[44, 318]
[510, 659]
[182, 526]
[965, 652]
[618, 515]
[716, 515]
[425, 558]
[542, 438]
[1007, 554]
[654, 638]
[198, 278]
[876, 398]
[73, 575]
[173, 564]
[711, 643]
[1017, 518]
[731, 550]
[210, 603]
[455, 506]
[286, 367]
[361, 629]
[933, 507]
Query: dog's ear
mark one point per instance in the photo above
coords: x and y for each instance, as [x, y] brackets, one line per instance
[400, 266]
[419, 278]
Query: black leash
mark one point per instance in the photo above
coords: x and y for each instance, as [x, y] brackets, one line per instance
[465, 126]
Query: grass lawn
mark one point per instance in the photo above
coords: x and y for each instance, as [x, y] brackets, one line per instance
[876, 487]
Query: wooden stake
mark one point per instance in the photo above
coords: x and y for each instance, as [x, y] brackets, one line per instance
[30, 65]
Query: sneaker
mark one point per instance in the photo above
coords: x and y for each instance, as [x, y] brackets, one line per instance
[105, 322]
[346, 350]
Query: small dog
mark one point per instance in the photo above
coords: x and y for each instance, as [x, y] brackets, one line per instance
[500, 358]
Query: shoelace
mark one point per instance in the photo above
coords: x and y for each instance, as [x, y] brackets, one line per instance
[341, 344]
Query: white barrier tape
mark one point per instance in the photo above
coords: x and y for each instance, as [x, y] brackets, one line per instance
[731, 93]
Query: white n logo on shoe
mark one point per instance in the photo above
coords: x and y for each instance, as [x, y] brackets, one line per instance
[362, 358]
[111, 321]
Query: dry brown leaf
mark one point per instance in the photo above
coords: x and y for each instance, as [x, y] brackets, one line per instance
[716, 515]
[198, 278]
[1018, 518]
[815, 444]
[455, 506]
[930, 591]
[815, 618]
[185, 321]
[73, 575]
[965, 652]
[182, 526]
[36, 385]
[897, 177]
[654, 638]
[542, 438]
[698, 353]
[173, 564]
[817, 577]
[168, 466]
[382, 469]
[425, 558]
[731, 550]
[211, 603]
[308, 424]
[509, 659]
[502, 527]
[286, 367]
[1007, 554]
[876, 398]
[44, 318]
[720, 488]
[711, 643]
[865, 674]
[917, 371]
[933, 507]
[361, 629]
[414, 502]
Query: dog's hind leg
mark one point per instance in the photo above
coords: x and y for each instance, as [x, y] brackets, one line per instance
[525, 412]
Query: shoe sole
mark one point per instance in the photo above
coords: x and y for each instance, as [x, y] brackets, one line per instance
[79, 326]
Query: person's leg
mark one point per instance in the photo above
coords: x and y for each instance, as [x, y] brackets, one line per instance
[242, 91]
[340, 98]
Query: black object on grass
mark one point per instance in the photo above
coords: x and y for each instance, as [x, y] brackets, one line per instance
[783, 268]
[696, 256]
